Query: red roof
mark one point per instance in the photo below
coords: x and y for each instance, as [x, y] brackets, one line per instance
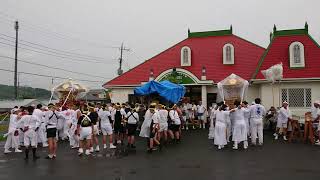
[205, 51]
[278, 51]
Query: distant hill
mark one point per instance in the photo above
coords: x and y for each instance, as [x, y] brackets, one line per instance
[7, 92]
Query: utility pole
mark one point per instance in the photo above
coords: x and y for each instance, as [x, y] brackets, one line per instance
[16, 27]
[122, 48]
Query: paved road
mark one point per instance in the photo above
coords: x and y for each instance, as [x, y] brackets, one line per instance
[195, 158]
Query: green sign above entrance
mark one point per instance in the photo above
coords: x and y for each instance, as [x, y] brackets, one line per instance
[178, 78]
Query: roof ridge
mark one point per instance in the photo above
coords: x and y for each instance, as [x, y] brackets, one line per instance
[222, 32]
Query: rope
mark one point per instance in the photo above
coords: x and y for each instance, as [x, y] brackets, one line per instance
[4, 118]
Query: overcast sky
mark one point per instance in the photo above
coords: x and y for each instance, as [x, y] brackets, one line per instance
[90, 30]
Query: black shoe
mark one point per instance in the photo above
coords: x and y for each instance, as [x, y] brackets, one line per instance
[133, 146]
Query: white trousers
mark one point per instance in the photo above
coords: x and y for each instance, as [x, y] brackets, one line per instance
[30, 138]
[42, 138]
[256, 130]
[12, 141]
[74, 138]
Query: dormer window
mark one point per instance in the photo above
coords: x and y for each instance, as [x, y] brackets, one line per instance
[296, 51]
[228, 54]
[185, 56]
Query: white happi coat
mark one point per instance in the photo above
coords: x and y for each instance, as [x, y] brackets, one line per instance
[283, 115]
[239, 131]
[220, 136]
[163, 120]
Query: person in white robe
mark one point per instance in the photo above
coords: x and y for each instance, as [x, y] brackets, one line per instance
[239, 131]
[42, 129]
[282, 123]
[13, 133]
[220, 130]
[247, 116]
[212, 119]
[74, 138]
[257, 112]
[106, 128]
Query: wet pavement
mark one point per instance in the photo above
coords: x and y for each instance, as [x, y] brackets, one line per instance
[195, 158]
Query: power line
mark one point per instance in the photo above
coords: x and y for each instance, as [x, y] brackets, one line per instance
[62, 57]
[48, 31]
[63, 51]
[55, 53]
[51, 67]
[56, 77]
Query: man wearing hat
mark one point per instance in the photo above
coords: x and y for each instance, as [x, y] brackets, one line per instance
[282, 122]
[51, 121]
[315, 112]
[13, 132]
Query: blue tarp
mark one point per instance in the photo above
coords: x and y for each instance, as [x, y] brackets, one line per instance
[166, 89]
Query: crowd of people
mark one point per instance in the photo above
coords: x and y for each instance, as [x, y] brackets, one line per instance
[81, 124]
[237, 122]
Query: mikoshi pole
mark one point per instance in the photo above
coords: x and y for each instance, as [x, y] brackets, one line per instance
[272, 94]
[68, 95]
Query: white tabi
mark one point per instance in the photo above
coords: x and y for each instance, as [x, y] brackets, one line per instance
[12, 135]
[145, 127]
[220, 137]
[257, 112]
[42, 138]
[239, 132]
[163, 120]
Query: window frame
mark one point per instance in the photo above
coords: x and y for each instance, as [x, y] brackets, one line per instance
[182, 56]
[291, 55]
[224, 54]
[286, 91]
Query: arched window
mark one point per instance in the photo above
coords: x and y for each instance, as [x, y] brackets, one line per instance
[296, 51]
[228, 54]
[296, 54]
[185, 56]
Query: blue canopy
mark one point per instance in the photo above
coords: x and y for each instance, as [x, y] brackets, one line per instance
[166, 89]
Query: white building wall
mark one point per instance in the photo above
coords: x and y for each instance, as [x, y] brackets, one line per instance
[252, 93]
[270, 95]
[118, 95]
